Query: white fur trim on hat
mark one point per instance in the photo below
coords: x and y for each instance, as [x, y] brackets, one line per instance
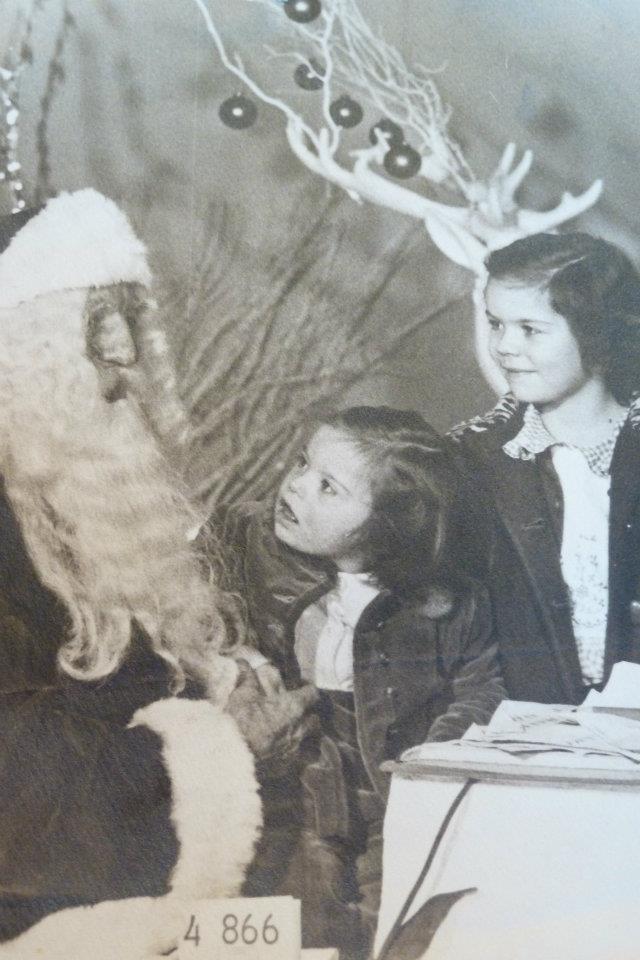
[79, 240]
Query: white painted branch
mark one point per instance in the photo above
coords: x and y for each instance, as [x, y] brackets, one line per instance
[490, 217]
[362, 183]
[238, 70]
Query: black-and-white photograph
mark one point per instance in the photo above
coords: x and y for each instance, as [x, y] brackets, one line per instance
[319, 480]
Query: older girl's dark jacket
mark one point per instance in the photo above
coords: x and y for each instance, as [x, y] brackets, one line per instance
[421, 671]
[530, 600]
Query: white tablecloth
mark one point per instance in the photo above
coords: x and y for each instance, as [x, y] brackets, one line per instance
[557, 869]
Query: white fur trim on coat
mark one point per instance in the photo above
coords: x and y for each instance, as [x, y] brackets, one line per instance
[216, 809]
[217, 817]
[141, 928]
[79, 240]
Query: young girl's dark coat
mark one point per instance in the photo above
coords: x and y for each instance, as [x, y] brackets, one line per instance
[421, 671]
[530, 600]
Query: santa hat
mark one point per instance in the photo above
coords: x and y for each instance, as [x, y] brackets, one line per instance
[78, 240]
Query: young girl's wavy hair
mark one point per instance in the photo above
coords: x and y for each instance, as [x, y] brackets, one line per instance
[595, 286]
[416, 538]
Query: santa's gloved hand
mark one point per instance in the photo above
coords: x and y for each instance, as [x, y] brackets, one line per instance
[273, 720]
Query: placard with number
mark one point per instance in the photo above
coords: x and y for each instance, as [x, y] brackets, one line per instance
[243, 928]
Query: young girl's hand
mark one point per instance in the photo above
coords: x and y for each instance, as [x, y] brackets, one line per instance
[273, 720]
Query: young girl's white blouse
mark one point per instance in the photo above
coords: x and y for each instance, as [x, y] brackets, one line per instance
[324, 632]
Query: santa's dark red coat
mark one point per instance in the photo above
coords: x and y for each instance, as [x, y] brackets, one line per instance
[87, 806]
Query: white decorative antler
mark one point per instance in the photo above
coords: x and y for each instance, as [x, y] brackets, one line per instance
[341, 50]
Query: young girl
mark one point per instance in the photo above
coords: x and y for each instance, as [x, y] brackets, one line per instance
[561, 457]
[356, 583]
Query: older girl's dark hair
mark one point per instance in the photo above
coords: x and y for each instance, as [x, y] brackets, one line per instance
[595, 286]
[414, 539]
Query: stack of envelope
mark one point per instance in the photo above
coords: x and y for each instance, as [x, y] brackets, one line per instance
[605, 726]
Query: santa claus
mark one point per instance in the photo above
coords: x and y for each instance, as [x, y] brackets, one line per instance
[121, 776]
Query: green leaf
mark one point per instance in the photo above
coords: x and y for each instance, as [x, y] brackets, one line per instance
[415, 936]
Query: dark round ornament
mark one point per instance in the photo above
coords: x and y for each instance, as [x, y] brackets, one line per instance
[302, 11]
[238, 112]
[306, 75]
[345, 112]
[391, 132]
[402, 162]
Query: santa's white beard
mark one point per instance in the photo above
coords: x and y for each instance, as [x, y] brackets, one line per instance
[104, 521]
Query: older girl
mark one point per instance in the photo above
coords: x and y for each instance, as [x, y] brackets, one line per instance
[560, 456]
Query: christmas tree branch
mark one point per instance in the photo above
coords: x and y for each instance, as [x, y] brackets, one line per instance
[18, 57]
[257, 364]
[55, 77]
